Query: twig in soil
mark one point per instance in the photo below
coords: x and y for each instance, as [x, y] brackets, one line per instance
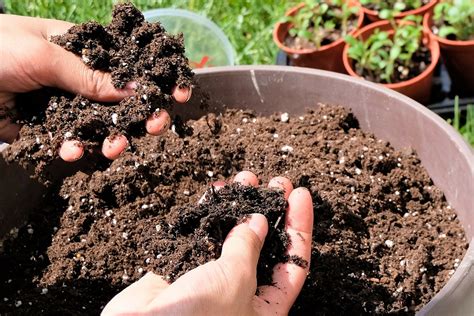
[275, 226]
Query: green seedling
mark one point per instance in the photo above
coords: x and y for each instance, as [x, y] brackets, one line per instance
[317, 17]
[380, 53]
[466, 129]
[455, 19]
[389, 8]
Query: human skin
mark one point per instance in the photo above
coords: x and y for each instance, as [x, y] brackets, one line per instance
[227, 286]
[29, 61]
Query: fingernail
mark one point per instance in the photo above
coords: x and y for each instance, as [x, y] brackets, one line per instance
[132, 85]
[190, 92]
[258, 224]
[69, 153]
[178, 93]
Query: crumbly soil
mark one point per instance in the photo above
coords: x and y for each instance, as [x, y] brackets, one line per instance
[327, 36]
[421, 59]
[388, 4]
[131, 49]
[385, 240]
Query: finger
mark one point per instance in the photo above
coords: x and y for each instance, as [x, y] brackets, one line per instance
[281, 183]
[158, 122]
[289, 277]
[71, 150]
[136, 296]
[299, 217]
[233, 274]
[64, 70]
[246, 178]
[8, 130]
[244, 242]
[113, 146]
[43, 27]
[54, 27]
[218, 185]
[182, 95]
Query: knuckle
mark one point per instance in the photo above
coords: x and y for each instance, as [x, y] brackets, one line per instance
[95, 82]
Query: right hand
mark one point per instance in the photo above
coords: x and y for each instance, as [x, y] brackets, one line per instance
[228, 285]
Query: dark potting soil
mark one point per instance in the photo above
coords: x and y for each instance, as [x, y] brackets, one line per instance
[131, 49]
[327, 36]
[389, 4]
[385, 240]
[421, 59]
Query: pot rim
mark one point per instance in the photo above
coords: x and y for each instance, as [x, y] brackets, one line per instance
[403, 14]
[293, 10]
[432, 45]
[427, 26]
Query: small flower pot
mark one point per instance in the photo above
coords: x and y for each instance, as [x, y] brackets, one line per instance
[327, 57]
[417, 88]
[373, 15]
[458, 56]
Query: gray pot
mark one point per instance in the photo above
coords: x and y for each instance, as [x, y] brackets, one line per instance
[388, 114]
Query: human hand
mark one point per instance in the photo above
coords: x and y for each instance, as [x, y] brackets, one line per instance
[228, 285]
[30, 61]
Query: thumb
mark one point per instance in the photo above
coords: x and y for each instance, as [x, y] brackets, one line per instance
[136, 296]
[66, 71]
[245, 241]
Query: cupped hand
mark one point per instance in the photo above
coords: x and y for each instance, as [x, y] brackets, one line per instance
[227, 286]
[30, 61]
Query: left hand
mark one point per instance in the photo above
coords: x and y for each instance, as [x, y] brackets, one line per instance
[228, 285]
[29, 61]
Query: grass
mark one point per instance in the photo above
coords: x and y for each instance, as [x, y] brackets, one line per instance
[467, 128]
[247, 23]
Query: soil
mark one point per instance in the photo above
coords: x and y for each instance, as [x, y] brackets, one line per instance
[388, 4]
[131, 49]
[327, 36]
[385, 239]
[420, 60]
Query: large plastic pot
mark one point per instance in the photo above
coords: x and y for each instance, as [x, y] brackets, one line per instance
[390, 115]
[373, 16]
[458, 56]
[327, 57]
[418, 88]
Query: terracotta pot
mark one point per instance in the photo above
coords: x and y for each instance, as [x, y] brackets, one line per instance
[373, 16]
[418, 88]
[327, 57]
[458, 56]
[386, 113]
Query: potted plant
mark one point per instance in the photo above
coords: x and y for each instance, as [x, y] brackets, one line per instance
[312, 33]
[376, 10]
[452, 25]
[396, 54]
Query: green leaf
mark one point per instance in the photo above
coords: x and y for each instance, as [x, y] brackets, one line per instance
[386, 14]
[329, 25]
[445, 31]
[395, 52]
[399, 6]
